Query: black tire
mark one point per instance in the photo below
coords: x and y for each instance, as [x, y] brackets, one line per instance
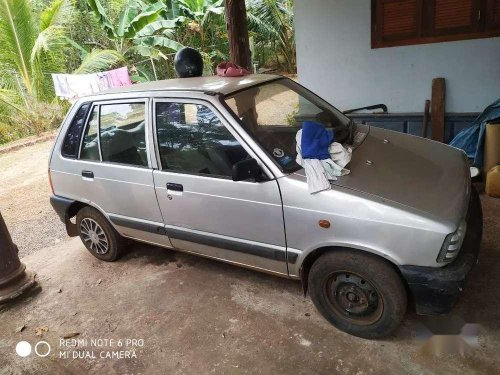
[85, 219]
[341, 286]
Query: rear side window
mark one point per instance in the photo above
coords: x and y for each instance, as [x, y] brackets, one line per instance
[73, 135]
[123, 134]
[90, 145]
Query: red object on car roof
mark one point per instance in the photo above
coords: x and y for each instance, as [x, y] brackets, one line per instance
[229, 69]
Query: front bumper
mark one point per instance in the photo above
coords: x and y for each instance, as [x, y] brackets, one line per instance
[436, 290]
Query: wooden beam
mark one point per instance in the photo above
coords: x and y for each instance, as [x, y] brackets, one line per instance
[237, 32]
[438, 108]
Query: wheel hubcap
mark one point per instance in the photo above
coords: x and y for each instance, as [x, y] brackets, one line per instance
[93, 236]
[354, 298]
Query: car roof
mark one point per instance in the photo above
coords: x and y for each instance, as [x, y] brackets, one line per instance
[217, 84]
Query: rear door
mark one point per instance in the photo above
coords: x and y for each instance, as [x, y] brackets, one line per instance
[115, 168]
[204, 210]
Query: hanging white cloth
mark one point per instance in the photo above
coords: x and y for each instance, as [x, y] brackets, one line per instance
[319, 173]
[74, 86]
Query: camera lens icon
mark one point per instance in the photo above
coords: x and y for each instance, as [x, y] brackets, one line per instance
[23, 348]
[42, 348]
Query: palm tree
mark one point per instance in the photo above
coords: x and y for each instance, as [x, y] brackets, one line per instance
[271, 24]
[32, 49]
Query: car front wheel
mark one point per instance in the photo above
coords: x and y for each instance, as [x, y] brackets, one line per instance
[358, 293]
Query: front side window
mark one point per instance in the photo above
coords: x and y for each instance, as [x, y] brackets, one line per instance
[122, 133]
[192, 140]
[273, 113]
[74, 133]
[90, 144]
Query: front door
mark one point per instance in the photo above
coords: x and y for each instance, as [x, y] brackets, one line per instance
[204, 210]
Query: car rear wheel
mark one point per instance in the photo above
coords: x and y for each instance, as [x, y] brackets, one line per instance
[358, 293]
[98, 236]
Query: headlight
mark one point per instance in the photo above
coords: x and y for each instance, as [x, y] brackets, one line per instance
[452, 244]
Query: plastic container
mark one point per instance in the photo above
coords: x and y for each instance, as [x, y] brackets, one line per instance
[493, 182]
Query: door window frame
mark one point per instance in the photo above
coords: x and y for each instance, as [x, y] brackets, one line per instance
[223, 122]
[147, 130]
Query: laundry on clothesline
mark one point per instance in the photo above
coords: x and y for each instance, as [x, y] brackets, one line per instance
[324, 160]
[74, 86]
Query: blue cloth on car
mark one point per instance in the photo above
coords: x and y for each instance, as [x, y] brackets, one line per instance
[471, 139]
[315, 140]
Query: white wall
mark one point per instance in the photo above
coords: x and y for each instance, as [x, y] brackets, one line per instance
[336, 61]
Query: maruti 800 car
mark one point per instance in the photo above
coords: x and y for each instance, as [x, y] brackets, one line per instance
[207, 165]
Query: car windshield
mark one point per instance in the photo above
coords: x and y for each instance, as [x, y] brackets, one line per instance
[273, 113]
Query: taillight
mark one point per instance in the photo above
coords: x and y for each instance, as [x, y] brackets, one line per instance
[50, 182]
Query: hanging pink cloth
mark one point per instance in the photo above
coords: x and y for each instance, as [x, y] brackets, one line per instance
[119, 77]
[229, 69]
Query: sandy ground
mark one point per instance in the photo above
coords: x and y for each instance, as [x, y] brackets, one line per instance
[198, 316]
[24, 199]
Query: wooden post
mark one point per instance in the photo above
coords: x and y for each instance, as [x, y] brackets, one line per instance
[237, 32]
[438, 108]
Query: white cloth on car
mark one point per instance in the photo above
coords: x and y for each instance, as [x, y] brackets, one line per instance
[319, 173]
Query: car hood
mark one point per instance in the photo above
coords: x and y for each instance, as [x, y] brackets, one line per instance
[416, 172]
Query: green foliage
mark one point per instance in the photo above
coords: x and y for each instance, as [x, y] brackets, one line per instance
[39, 37]
[140, 29]
[270, 22]
[98, 60]
[33, 46]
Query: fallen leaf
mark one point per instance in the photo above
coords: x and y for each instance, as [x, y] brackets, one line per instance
[20, 329]
[59, 290]
[70, 335]
[40, 330]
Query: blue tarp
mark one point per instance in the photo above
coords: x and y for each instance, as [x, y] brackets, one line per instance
[471, 139]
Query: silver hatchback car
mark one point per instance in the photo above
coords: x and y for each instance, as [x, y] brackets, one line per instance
[207, 165]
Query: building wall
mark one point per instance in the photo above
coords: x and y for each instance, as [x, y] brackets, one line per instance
[335, 60]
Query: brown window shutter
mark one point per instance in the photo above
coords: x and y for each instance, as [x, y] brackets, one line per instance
[493, 15]
[397, 20]
[405, 22]
[449, 17]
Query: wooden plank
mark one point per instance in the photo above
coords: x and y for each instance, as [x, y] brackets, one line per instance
[438, 108]
[237, 31]
[426, 118]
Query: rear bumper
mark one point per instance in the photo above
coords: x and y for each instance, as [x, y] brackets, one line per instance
[436, 290]
[61, 206]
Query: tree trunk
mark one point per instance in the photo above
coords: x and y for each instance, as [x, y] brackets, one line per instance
[237, 31]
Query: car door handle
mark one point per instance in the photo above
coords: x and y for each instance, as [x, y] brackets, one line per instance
[88, 174]
[174, 187]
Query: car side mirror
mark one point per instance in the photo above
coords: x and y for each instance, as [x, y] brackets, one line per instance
[245, 170]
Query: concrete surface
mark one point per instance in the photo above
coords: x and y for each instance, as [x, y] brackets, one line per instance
[198, 316]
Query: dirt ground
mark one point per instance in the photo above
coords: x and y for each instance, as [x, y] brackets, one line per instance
[179, 314]
[24, 199]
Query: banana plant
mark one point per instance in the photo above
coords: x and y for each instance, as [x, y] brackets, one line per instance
[141, 28]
